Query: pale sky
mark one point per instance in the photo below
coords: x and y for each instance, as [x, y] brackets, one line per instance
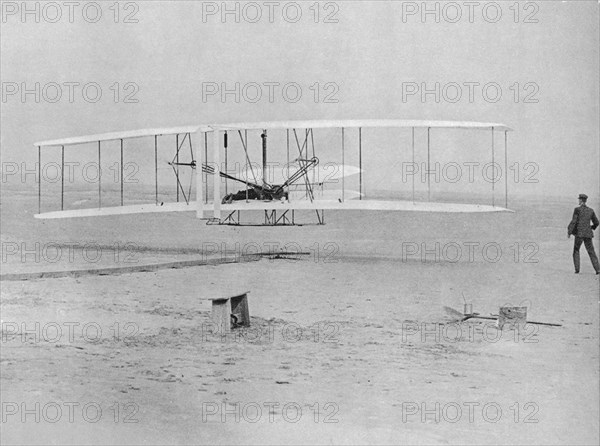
[373, 51]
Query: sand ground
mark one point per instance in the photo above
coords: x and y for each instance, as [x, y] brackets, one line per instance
[347, 343]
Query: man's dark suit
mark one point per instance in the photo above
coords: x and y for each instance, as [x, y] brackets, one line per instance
[582, 230]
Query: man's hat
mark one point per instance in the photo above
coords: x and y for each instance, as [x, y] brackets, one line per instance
[583, 197]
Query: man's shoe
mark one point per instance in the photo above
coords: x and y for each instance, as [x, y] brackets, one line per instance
[577, 272]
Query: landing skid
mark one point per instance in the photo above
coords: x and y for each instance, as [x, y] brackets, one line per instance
[286, 218]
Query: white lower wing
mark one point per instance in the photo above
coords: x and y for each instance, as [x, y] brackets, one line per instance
[318, 194]
[120, 210]
[257, 205]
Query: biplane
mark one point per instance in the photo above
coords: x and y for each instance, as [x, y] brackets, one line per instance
[302, 180]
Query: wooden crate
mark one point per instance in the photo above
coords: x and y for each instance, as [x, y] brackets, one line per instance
[512, 316]
[231, 311]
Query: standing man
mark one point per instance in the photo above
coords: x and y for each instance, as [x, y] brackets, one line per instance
[582, 230]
